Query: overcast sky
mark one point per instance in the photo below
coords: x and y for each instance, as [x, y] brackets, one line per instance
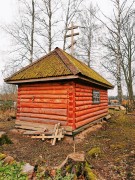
[9, 11]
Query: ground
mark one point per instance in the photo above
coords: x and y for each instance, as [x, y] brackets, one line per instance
[110, 150]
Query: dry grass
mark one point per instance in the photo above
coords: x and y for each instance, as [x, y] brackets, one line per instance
[8, 113]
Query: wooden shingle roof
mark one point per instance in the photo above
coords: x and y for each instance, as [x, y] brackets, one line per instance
[56, 64]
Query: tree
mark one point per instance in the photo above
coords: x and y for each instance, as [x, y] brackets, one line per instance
[113, 41]
[70, 13]
[22, 33]
[128, 52]
[89, 33]
[48, 23]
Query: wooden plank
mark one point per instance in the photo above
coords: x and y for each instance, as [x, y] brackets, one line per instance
[43, 136]
[56, 130]
[33, 132]
[42, 125]
[67, 77]
[69, 35]
[29, 128]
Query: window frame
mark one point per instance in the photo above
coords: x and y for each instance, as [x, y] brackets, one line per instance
[95, 100]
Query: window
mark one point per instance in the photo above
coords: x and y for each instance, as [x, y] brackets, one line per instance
[96, 96]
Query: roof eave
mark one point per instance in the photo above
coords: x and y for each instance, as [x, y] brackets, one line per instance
[41, 79]
[95, 82]
[59, 78]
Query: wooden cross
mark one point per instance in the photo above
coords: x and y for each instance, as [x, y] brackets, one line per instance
[73, 42]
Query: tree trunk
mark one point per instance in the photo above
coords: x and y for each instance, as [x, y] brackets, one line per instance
[32, 31]
[119, 54]
[66, 26]
[50, 26]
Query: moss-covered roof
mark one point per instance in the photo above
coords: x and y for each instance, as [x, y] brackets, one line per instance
[56, 64]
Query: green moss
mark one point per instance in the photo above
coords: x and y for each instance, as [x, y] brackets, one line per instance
[53, 66]
[85, 70]
[2, 156]
[89, 173]
[5, 140]
[49, 66]
[68, 168]
[95, 152]
[118, 146]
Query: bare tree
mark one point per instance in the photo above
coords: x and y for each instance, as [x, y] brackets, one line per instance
[22, 33]
[70, 12]
[8, 89]
[113, 41]
[89, 33]
[128, 52]
[48, 23]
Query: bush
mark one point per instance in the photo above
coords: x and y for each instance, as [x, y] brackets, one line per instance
[12, 172]
[5, 105]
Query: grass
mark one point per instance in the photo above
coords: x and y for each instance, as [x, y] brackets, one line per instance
[116, 141]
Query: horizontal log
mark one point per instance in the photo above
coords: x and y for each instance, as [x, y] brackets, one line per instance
[43, 92]
[83, 98]
[103, 93]
[83, 86]
[42, 105]
[83, 107]
[103, 101]
[43, 96]
[41, 120]
[81, 94]
[45, 116]
[80, 103]
[62, 112]
[86, 116]
[87, 111]
[103, 98]
[91, 87]
[81, 123]
[51, 87]
[42, 100]
[83, 90]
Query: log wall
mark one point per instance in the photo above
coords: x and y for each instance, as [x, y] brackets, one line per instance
[85, 110]
[67, 103]
[45, 103]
